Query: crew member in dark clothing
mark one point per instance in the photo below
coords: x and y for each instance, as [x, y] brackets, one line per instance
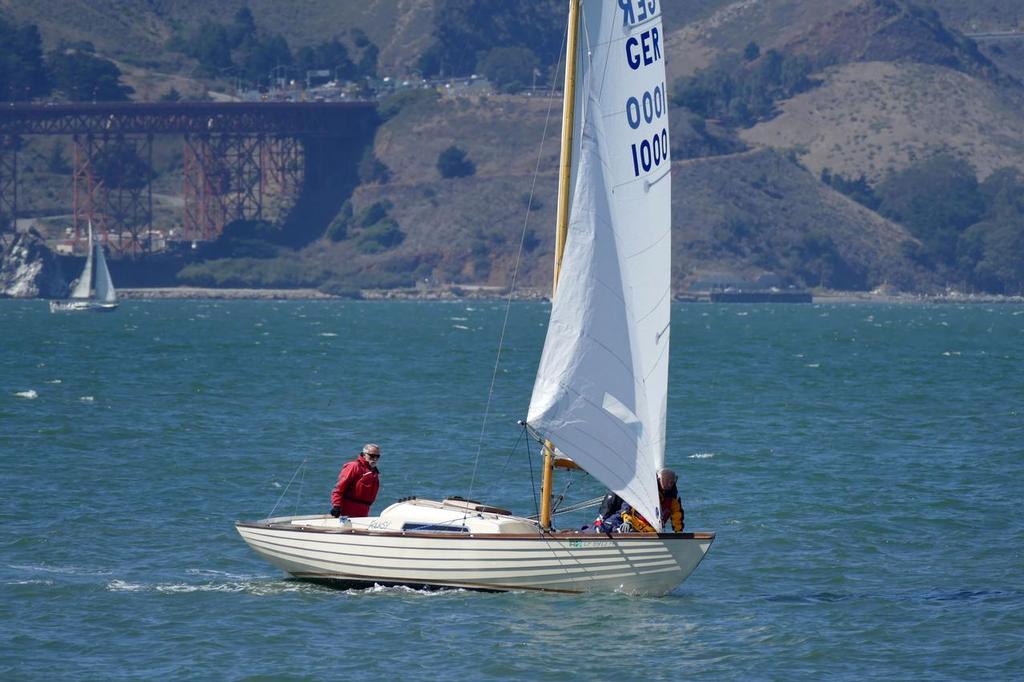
[358, 483]
[608, 517]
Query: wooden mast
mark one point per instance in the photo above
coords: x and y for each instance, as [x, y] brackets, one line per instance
[562, 219]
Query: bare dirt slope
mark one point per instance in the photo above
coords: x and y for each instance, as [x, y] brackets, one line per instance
[875, 118]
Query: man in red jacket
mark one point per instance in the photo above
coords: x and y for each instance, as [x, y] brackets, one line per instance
[357, 484]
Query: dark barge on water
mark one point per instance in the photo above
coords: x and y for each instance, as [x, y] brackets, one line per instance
[764, 296]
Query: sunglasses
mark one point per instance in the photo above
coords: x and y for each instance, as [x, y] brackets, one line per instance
[370, 456]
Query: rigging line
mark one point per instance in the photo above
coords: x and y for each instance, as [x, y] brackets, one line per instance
[285, 491]
[561, 497]
[585, 504]
[302, 481]
[533, 485]
[515, 277]
[501, 474]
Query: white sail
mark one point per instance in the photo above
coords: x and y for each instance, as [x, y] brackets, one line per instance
[84, 285]
[601, 388]
[105, 292]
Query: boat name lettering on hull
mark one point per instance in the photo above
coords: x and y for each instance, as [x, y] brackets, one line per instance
[637, 10]
[378, 524]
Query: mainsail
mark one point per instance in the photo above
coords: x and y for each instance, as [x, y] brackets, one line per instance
[601, 388]
[105, 292]
[84, 285]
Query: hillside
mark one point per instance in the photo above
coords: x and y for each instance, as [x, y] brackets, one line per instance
[875, 118]
[749, 212]
[137, 31]
[759, 211]
[865, 89]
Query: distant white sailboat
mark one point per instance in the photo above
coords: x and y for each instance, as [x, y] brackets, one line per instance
[601, 390]
[83, 298]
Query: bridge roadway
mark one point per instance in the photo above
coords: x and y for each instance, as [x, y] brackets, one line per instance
[292, 119]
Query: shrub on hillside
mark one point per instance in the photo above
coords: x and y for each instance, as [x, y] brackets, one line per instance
[857, 189]
[380, 237]
[373, 214]
[278, 273]
[390, 106]
[372, 170]
[337, 230]
[453, 163]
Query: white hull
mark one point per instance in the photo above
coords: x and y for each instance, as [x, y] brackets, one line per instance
[81, 306]
[321, 549]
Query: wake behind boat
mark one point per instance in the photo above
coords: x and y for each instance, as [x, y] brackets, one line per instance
[83, 297]
[600, 398]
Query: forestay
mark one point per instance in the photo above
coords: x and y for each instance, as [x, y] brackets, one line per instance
[601, 388]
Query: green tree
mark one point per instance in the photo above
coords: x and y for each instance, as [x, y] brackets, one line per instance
[211, 46]
[331, 56]
[242, 28]
[937, 200]
[22, 70]
[466, 29]
[260, 56]
[510, 69]
[992, 255]
[453, 163]
[83, 77]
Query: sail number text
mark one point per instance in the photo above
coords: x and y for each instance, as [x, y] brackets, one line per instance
[637, 10]
[648, 108]
[642, 50]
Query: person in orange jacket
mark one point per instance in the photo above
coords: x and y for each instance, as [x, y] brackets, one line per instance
[357, 485]
[671, 507]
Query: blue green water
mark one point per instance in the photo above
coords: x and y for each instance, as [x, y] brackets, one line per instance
[862, 465]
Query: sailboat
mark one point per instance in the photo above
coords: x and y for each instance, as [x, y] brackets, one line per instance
[600, 396]
[82, 296]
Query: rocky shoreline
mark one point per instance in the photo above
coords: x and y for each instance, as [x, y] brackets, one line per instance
[453, 293]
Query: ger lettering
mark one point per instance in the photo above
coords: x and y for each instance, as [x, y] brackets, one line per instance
[643, 50]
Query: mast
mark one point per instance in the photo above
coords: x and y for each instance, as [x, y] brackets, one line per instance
[562, 219]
